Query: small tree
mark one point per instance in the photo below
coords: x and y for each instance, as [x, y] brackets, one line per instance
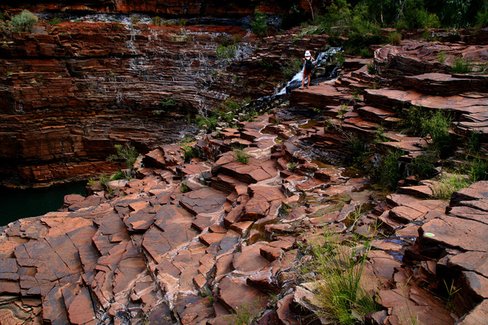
[126, 153]
[24, 22]
[259, 24]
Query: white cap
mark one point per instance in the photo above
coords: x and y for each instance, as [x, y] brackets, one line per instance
[307, 54]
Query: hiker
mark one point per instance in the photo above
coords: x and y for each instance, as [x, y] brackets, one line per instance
[307, 68]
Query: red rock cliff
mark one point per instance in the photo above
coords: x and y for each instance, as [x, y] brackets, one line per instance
[69, 92]
[213, 8]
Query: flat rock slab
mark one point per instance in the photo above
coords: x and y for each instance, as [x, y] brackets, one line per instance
[455, 232]
[237, 295]
[205, 200]
[319, 96]
[464, 103]
[252, 172]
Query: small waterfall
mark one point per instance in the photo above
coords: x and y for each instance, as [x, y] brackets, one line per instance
[323, 59]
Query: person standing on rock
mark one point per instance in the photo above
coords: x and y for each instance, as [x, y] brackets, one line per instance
[307, 68]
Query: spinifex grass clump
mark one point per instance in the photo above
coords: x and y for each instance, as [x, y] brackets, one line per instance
[448, 184]
[461, 66]
[241, 156]
[339, 268]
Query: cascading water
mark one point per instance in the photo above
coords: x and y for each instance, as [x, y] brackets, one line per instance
[323, 62]
[323, 58]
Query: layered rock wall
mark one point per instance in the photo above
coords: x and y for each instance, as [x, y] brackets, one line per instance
[69, 92]
[213, 8]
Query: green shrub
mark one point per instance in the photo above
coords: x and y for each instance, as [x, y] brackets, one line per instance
[357, 151]
[117, 175]
[259, 24]
[461, 66]
[441, 57]
[55, 21]
[438, 128]
[388, 171]
[412, 120]
[189, 152]
[290, 68]
[208, 123]
[226, 51]
[482, 17]
[24, 22]
[371, 68]
[184, 188]
[241, 156]
[448, 184]
[157, 21]
[423, 166]
[126, 153]
[474, 143]
[291, 166]
[168, 103]
[395, 38]
[339, 269]
[478, 170]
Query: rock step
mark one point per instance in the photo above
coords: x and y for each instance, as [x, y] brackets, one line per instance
[378, 115]
[320, 96]
[467, 103]
[445, 84]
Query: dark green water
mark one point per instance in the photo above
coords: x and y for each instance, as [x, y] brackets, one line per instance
[16, 204]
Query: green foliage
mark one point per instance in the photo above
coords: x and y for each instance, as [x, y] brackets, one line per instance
[438, 128]
[423, 166]
[482, 17]
[339, 269]
[291, 166]
[461, 66]
[24, 22]
[104, 179]
[380, 135]
[189, 151]
[290, 68]
[55, 21]
[228, 113]
[448, 184]
[126, 153]
[208, 123]
[168, 103]
[394, 38]
[184, 188]
[474, 143]
[157, 21]
[412, 118]
[241, 156]
[389, 170]
[478, 170]
[117, 175]
[450, 291]
[371, 68]
[245, 314]
[441, 57]
[357, 149]
[135, 19]
[343, 109]
[259, 24]
[226, 51]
